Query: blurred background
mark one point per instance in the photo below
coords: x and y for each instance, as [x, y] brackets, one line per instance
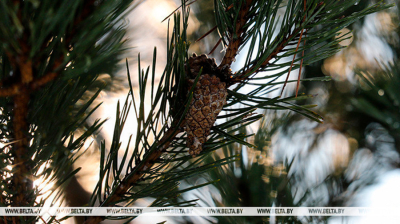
[352, 159]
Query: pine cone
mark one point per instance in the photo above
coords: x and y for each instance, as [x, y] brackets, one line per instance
[195, 63]
[209, 97]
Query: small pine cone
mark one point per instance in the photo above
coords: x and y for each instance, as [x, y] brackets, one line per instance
[209, 97]
[196, 63]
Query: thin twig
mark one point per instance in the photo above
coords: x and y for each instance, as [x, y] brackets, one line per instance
[215, 47]
[278, 49]
[291, 65]
[301, 66]
[294, 56]
[206, 34]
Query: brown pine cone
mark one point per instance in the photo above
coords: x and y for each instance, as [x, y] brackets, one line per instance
[209, 97]
[195, 63]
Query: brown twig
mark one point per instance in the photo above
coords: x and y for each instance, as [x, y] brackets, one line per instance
[301, 66]
[274, 53]
[145, 165]
[215, 47]
[291, 65]
[280, 48]
[206, 34]
[294, 56]
[33, 85]
[215, 27]
[236, 38]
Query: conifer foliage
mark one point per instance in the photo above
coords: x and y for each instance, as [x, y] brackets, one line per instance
[51, 61]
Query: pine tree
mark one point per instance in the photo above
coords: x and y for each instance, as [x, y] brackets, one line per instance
[51, 60]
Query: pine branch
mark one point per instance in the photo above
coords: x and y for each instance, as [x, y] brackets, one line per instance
[21, 90]
[152, 173]
[254, 69]
[173, 85]
[258, 18]
[40, 126]
[147, 173]
[140, 171]
[236, 38]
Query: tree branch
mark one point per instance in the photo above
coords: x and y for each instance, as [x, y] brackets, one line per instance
[279, 48]
[20, 87]
[236, 39]
[138, 173]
